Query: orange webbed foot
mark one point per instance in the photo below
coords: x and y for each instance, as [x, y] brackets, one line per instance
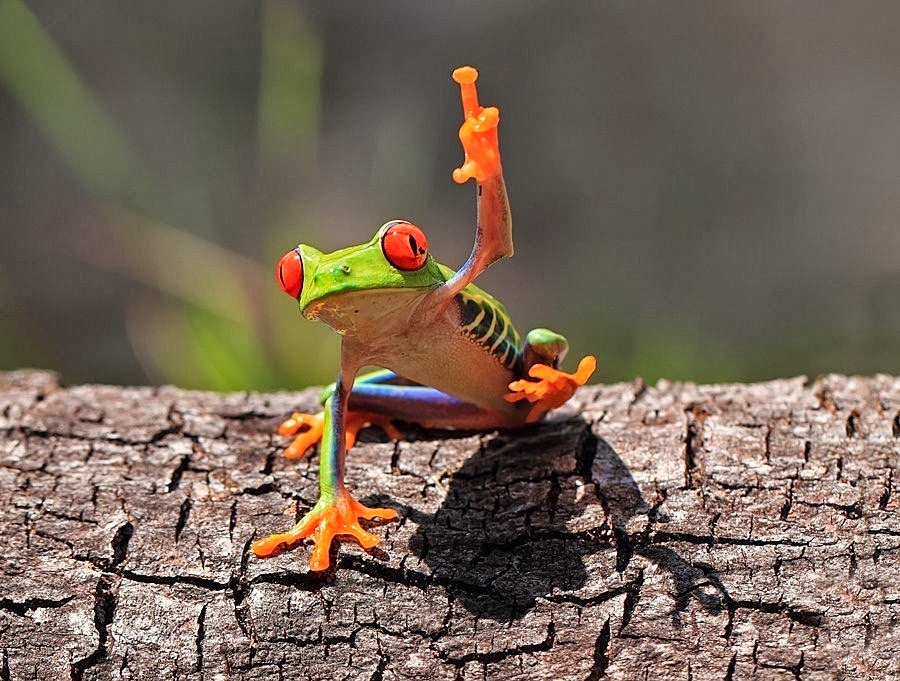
[478, 133]
[339, 515]
[552, 388]
[311, 427]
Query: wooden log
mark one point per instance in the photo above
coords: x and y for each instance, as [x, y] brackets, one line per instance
[675, 531]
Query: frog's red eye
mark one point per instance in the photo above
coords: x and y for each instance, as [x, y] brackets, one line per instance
[404, 246]
[289, 273]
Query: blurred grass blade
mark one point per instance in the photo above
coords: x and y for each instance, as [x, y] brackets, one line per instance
[39, 77]
[230, 355]
[196, 349]
[289, 81]
[187, 267]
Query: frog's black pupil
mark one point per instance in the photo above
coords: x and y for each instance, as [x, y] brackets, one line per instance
[412, 244]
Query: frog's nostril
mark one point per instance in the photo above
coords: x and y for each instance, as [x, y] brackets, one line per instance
[289, 273]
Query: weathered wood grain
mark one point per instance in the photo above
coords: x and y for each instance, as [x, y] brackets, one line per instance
[675, 531]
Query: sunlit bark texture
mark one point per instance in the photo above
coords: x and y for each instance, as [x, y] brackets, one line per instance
[675, 531]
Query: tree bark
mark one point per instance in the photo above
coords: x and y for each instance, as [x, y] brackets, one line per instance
[675, 531]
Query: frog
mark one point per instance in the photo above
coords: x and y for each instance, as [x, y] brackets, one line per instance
[449, 354]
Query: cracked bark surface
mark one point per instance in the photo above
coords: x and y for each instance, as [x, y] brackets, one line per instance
[675, 531]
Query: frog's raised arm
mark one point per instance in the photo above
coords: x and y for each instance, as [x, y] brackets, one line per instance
[493, 231]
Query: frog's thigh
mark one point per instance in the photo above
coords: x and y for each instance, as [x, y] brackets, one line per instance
[428, 407]
[378, 376]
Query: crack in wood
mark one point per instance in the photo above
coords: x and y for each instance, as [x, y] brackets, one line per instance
[601, 653]
[104, 612]
[184, 511]
[23, 608]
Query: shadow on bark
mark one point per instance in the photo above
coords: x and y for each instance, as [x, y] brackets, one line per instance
[622, 500]
[500, 539]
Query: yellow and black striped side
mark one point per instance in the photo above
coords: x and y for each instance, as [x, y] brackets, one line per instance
[486, 322]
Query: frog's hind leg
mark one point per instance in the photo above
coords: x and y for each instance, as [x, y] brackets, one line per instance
[307, 429]
[428, 407]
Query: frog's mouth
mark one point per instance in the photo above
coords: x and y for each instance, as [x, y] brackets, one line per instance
[312, 311]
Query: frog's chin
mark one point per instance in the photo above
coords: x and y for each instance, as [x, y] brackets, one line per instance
[368, 314]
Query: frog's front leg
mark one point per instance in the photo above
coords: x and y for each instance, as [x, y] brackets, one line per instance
[336, 512]
[493, 231]
[551, 387]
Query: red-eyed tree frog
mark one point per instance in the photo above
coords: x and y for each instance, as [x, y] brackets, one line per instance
[451, 356]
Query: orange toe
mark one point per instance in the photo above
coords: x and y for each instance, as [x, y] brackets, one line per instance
[465, 75]
[267, 546]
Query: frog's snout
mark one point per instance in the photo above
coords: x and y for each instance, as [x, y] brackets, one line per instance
[326, 276]
[289, 273]
[333, 274]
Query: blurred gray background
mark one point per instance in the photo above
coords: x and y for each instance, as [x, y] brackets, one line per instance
[700, 190]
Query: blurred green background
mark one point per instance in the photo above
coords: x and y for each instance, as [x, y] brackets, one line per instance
[705, 191]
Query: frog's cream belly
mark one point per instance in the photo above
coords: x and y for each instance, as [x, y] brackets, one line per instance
[455, 365]
[443, 357]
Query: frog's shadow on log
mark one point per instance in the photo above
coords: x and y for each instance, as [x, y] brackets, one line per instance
[500, 539]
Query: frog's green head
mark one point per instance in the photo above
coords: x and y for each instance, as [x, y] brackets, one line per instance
[366, 282]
